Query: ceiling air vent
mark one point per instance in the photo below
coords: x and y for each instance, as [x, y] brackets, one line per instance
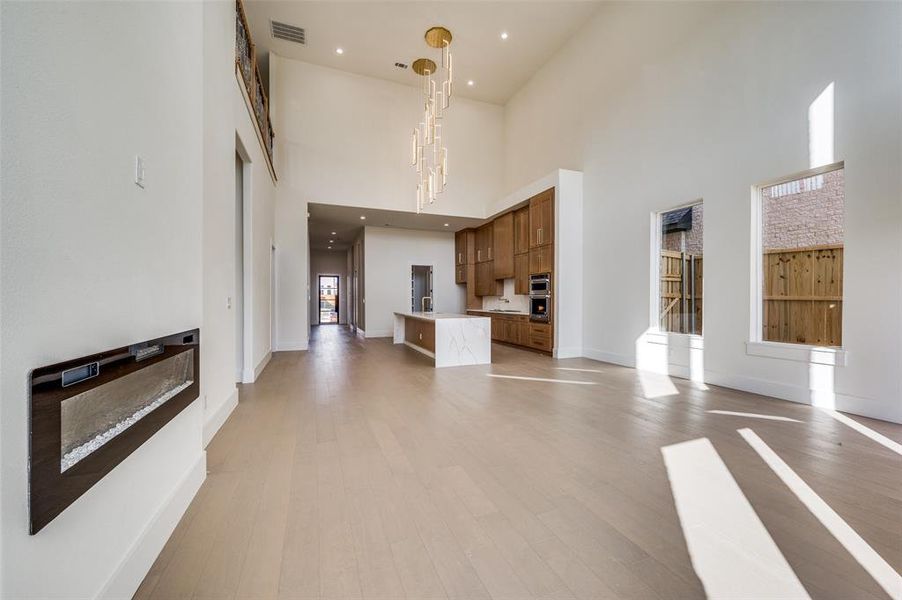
[284, 31]
[400, 65]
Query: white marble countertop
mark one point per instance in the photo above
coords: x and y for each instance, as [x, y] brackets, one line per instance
[429, 316]
[459, 339]
[513, 313]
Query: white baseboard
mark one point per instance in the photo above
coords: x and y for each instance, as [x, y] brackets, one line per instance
[129, 574]
[291, 346]
[379, 333]
[783, 391]
[858, 405]
[610, 357]
[251, 376]
[219, 416]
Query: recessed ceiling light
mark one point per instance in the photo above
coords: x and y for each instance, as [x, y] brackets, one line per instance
[330, 241]
[503, 35]
[341, 50]
[446, 224]
[362, 218]
[471, 83]
[330, 247]
[333, 233]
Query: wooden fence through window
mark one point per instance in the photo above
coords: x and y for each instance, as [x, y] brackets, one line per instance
[681, 292]
[803, 290]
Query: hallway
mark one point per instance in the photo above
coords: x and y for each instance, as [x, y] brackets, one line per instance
[356, 470]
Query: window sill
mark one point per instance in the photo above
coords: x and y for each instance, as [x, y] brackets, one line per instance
[816, 355]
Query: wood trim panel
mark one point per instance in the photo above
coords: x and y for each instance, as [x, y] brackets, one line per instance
[420, 333]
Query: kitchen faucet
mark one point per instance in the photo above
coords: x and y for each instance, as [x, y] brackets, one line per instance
[423, 304]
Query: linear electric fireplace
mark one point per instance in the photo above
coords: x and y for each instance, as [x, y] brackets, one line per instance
[90, 413]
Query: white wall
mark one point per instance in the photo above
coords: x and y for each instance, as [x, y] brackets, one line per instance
[687, 101]
[348, 139]
[228, 125]
[329, 262]
[91, 262]
[390, 253]
[218, 382]
[292, 247]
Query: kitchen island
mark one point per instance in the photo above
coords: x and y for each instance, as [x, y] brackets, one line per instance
[450, 339]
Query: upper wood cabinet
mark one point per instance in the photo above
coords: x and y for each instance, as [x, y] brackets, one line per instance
[465, 247]
[484, 240]
[486, 285]
[541, 219]
[521, 230]
[503, 246]
[521, 273]
[541, 260]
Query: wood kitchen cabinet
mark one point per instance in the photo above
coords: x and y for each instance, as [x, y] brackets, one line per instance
[473, 301]
[539, 336]
[518, 330]
[541, 219]
[465, 248]
[503, 246]
[541, 260]
[420, 333]
[460, 274]
[486, 284]
[521, 230]
[521, 274]
[484, 240]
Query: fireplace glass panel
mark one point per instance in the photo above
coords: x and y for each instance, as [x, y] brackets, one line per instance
[93, 418]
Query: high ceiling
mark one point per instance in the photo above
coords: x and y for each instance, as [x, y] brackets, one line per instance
[337, 226]
[376, 35]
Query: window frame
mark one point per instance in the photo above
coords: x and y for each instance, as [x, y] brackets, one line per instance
[654, 314]
[756, 344]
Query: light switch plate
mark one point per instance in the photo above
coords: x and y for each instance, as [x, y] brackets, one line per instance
[139, 172]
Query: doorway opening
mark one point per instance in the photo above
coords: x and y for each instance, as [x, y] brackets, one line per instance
[421, 299]
[328, 299]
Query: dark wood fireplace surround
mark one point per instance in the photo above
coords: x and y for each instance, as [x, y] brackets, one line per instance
[51, 490]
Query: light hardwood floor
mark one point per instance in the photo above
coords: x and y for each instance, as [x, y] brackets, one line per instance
[356, 470]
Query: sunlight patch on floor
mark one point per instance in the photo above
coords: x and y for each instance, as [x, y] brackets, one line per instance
[540, 379]
[732, 552]
[865, 430]
[656, 385]
[753, 415]
[866, 556]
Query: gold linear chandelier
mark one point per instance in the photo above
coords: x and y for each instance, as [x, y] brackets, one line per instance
[427, 153]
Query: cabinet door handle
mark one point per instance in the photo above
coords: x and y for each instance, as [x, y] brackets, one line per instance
[540, 235]
[459, 260]
[479, 255]
[490, 253]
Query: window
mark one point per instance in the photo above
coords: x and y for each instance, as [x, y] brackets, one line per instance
[801, 258]
[680, 250]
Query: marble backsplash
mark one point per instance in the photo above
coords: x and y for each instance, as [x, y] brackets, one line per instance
[518, 302]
